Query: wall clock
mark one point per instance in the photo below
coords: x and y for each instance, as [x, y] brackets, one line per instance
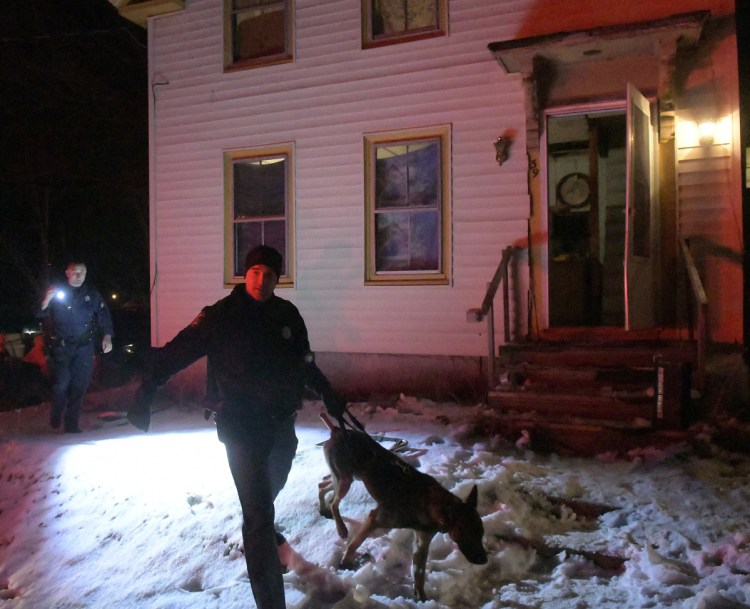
[573, 190]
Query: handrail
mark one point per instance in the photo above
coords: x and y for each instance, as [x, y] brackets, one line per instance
[698, 325]
[500, 273]
[487, 310]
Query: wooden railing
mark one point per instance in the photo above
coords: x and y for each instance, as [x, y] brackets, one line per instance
[697, 310]
[487, 311]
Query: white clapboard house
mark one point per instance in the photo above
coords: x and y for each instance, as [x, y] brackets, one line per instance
[454, 179]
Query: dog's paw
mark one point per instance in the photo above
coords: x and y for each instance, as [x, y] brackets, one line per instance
[353, 563]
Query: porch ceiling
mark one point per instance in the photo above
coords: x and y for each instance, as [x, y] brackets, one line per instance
[649, 39]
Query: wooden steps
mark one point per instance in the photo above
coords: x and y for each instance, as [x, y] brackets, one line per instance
[628, 385]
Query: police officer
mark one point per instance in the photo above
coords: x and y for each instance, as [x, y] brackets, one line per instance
[259, 361]
[77, 312]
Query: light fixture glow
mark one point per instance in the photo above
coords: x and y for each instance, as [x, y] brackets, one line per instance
[706, 131]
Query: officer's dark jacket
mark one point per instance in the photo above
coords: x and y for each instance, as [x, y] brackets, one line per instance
[75, 314]
[259, 357]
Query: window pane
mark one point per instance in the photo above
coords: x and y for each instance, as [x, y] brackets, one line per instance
[407, 241]
[259, 29]
[391, 17]
[246, 236]
[259, 187]
[249, 234]
[424, 174]
[425, 241]
[274, 234]
[407, 175]
[391, 177]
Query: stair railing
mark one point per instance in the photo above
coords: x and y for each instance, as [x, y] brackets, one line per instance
[487, 310]
[697, 312]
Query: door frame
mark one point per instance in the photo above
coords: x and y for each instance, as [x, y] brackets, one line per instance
[540, 254]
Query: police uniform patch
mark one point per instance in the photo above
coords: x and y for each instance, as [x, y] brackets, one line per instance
[286, 332]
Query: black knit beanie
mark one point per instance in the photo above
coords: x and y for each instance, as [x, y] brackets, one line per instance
[263, 254]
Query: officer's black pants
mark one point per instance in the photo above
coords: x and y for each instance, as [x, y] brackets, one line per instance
[73, 367]
[260, 462]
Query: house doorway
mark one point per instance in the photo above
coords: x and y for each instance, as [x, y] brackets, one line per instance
[601, 217]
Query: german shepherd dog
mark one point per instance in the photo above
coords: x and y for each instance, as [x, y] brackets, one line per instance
[406, 499]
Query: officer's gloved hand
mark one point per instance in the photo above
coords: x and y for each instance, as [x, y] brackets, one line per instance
[139, 413]
[334, 403]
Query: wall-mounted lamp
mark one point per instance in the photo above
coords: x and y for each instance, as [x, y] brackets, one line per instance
[502, 145]
[691, 133]
[706, 131]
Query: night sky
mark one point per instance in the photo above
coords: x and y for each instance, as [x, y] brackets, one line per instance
[74, 152]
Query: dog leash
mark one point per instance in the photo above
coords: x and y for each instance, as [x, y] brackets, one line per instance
[353, 422]
[399, 444]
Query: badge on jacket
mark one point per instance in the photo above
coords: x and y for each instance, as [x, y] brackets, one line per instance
[286, 332]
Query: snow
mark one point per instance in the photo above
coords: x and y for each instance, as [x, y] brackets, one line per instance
[115, 518]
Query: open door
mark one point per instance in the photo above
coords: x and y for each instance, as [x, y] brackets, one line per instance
[641, 207]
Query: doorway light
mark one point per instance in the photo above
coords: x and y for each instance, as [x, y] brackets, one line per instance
[703, 133]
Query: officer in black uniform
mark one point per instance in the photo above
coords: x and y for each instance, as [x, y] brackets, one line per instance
[259, 362]
[77, 313]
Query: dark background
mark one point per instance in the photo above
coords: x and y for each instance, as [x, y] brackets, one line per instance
[74, 152]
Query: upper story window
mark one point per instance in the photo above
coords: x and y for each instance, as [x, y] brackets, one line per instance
[258, 207]
[392, 21]
[258, 32]
[407, 206]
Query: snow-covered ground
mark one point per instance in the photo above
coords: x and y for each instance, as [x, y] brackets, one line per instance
[114, 518]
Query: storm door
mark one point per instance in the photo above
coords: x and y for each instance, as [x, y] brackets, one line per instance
[641, 207]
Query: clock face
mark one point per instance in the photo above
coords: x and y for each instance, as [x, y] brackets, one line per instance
[573, 190]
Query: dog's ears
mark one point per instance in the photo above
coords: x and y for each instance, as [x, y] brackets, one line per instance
[471, 500]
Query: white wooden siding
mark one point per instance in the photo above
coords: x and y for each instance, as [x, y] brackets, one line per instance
[708, 189]
[324, 102]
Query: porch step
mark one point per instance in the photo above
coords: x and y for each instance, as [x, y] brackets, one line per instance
[638, 353]
[630, 384]
[561, 407]
[620, 381]
[573, 437]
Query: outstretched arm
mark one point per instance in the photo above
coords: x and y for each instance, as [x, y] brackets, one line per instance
[158, 364]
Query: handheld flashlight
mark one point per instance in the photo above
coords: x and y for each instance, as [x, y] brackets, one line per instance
[60, 295]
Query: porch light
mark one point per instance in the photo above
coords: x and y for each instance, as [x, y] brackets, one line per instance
[706, 133]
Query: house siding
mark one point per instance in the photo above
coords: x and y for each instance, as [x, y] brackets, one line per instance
[709, 211]
[324, 102]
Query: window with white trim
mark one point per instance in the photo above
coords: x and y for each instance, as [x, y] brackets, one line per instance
[259, 200]
[407, 203]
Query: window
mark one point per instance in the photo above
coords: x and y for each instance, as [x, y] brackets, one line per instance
[258, 207]
[407, 207]
[258, 32]
[391, 21]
